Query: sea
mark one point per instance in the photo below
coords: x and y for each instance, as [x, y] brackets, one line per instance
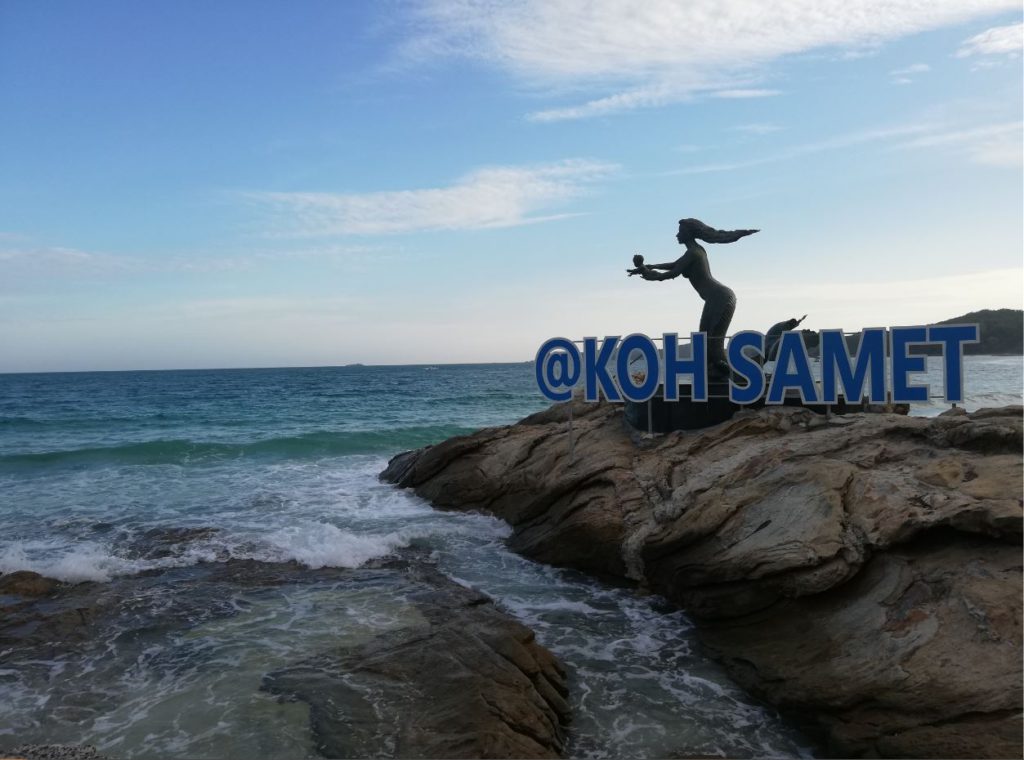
[281, 464]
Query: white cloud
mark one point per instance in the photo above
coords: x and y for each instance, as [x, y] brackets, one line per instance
[867, 50]
[660, 51]
[999, 40]
[760, 128]
[906, 74]
[49, 261]
[745, 93]
[796, 151]
[253, 306]
[498, 196]
[624, 101]
[963, 135]
[990, 144]
[58, 258]
[914, 68]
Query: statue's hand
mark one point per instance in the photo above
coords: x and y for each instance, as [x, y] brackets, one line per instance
[646, 272]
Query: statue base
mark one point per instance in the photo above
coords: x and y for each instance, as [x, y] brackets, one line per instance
[660, 416]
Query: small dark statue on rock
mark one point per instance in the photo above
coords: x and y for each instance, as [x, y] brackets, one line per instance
[719, 300]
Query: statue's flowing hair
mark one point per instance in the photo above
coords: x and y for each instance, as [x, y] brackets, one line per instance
[697, 229]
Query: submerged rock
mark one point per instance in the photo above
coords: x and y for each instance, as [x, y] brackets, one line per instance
[861, 572]
[56, 752]
[27, 583]
[160, 543]
[445, 673]
[467, 682]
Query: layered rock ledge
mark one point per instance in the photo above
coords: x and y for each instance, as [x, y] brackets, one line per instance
[861, 572]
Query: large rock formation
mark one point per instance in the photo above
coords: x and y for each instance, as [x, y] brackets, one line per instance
[862, 572]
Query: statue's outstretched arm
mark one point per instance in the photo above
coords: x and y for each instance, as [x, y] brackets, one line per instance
[649, 273]
[670, 270]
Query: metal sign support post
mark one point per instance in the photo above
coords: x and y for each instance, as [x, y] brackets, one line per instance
[571, 452]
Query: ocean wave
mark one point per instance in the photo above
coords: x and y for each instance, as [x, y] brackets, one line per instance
[72, 422]
[87, 561]
[313, 544]
[20, 422]
[317, 545]
[186, 452]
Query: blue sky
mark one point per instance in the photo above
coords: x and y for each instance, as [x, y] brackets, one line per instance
[188, 184]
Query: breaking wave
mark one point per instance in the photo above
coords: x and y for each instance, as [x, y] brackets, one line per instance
[312, 544]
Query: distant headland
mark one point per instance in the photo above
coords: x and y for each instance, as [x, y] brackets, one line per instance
[1002, 331]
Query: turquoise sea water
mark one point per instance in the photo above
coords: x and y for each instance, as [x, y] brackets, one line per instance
[284, 463]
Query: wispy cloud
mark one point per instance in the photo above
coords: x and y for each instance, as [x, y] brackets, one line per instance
[218, 308]
[60, 261]
[497, 196]
[991, 144]
[907, 74]
[999, 40]
[748, 92]
[914, 68]
[760, 128]
[50, 258]
[639, 55]
[643, 97]
[805, 149]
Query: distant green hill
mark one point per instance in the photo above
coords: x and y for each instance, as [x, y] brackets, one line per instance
[1002, 330]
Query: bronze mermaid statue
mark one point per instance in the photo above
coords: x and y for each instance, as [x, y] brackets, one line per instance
[719, 300]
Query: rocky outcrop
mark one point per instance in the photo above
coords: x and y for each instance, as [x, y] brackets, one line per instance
[452, 676]
[861, 572]
[468, 682]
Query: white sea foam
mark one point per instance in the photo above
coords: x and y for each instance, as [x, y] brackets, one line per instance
[320, 544]
[87, 560]
[81, 562]
[313, 544]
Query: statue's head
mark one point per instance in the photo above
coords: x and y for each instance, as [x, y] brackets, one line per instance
[691, 230]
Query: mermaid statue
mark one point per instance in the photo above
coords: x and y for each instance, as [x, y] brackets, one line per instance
[719, 300]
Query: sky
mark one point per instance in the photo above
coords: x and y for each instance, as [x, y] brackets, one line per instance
[267, 183]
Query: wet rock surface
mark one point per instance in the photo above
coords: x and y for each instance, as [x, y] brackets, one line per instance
[56, 752]
[466, 682]
[861, 572]
[448, 675]
[160, 543]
